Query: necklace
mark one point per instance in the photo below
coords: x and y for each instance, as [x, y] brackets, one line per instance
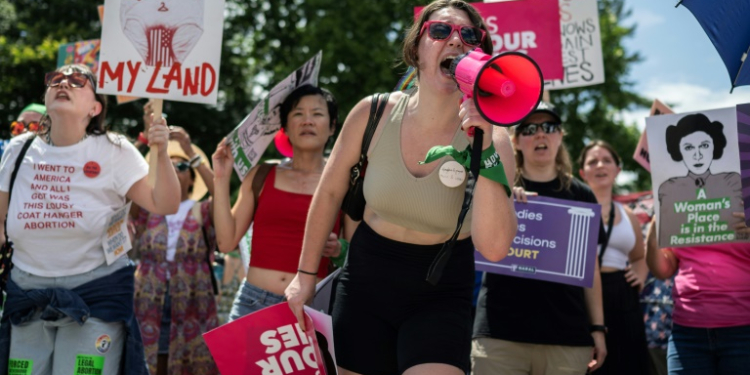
[49, 139]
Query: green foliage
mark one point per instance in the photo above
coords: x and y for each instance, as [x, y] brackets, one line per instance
[590, 113]
[265, 40]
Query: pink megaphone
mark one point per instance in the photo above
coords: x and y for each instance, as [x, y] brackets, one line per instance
[505, 88]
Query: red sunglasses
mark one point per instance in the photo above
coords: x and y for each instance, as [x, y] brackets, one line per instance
[439, 30]
[18, 127]
[75, 79]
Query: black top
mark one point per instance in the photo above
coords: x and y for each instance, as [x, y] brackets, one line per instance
[533, 311]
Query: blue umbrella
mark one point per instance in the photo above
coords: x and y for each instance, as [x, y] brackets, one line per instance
[727, 23]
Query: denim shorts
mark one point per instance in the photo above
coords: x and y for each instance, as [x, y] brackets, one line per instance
[250, 298]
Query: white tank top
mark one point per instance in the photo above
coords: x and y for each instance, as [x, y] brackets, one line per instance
[621, 242]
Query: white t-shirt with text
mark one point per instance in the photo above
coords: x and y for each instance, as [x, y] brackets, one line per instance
[62, 198]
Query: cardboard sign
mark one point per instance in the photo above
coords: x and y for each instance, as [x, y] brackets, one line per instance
[556, 241]
[528, 26]
[154, 50]
[641, 150]
[743, 138]
[117, 239]
[84, 52]
[253, 135]
[270, 341]
[696, 179]
[582, 58]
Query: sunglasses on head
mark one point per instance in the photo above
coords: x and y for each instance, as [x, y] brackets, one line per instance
[439, 30]
[182, 166]
[18, 127]
[531, 129]
[75, 79]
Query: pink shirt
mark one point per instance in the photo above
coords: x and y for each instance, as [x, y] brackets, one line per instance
[712, 286]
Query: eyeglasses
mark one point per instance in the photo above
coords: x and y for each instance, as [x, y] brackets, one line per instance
[18, 127]
[531, 129]
[439, 30]
[182, 166]
[75, 79]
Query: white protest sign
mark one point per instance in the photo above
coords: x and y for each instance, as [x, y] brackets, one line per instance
[166, 50]
[581, 45]
[117, 239]
[252, 136]
[695, 165]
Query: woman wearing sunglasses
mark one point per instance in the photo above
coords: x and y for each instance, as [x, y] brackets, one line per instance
[278, 203]
[387, 318]
[69, 307]
[28, 120]
[526, 326]
[174, 295]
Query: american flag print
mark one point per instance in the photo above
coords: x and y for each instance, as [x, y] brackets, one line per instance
[160, 46]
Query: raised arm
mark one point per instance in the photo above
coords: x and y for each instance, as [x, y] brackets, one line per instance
[326, 204]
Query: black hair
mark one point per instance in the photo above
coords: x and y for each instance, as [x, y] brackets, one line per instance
[294, 98]
[695, 123]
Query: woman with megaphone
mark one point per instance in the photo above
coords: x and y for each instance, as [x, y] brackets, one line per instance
[388, 319]
[526, 326]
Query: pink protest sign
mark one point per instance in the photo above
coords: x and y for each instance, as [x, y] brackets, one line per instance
[641, 155]
[270, 341]
[531, 27]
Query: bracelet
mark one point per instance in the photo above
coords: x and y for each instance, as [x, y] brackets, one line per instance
[497, 174]
[307, 273]
[339, 260]
[195, 161]
[142, 138]
[598, 328]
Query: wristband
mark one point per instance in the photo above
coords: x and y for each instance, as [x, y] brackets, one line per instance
[307, 273]
[142, 138]
[195, 161]
[339, 260]
[598, 328]
[497, 174]
[490, 158]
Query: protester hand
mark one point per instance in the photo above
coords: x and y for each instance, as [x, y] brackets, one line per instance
[179, 134]
[633, 279]
[520, 194]
[599, 352]
[301, 289]
[470, 118]
[741, 228]
[222, 160]
[148, 111]
[158, 134]
[333, 247]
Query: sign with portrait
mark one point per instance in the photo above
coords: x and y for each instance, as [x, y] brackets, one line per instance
[530, 27]
[582, 59]
[556, 241]
[162, 49]
[696, 177]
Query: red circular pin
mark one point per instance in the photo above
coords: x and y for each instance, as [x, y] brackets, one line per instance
[92, 169]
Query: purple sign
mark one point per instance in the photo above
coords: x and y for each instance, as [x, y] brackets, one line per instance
[556, 241]
[743, 137]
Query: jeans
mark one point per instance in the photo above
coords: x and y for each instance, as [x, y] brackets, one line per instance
[709, 351]
[250, 298]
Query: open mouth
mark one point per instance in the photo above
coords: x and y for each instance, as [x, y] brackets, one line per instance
[540, 147]
[62, 95]
[445, 65]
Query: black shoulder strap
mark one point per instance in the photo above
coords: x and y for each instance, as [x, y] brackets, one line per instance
[379, 101]
[19, 161]
[609, 232]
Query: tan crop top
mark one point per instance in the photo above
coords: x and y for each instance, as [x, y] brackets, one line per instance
[423, 204]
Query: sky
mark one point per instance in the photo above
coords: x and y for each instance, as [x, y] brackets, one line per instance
[681, 66]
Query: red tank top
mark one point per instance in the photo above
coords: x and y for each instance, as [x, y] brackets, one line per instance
[279, 227]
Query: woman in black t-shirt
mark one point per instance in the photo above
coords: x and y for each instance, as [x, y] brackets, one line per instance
[526, 326]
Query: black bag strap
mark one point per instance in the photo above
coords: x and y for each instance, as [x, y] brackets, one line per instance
[376, 112]
[19, 161]
[609, 232]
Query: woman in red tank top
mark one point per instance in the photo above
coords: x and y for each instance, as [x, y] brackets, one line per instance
[308, 117]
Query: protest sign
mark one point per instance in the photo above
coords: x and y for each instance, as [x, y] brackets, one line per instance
[695, 170]
[743, 137]
[165, 52]
[85, 52]
[324, 290]
[270, 341]
[116, 241]
[582, 59]
[252, 136]
[531, 27]
[641, 150]
[556, 241]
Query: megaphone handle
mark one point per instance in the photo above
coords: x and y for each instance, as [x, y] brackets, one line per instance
[476, 151]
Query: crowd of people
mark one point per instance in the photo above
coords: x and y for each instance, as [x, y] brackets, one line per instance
[404, 301]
